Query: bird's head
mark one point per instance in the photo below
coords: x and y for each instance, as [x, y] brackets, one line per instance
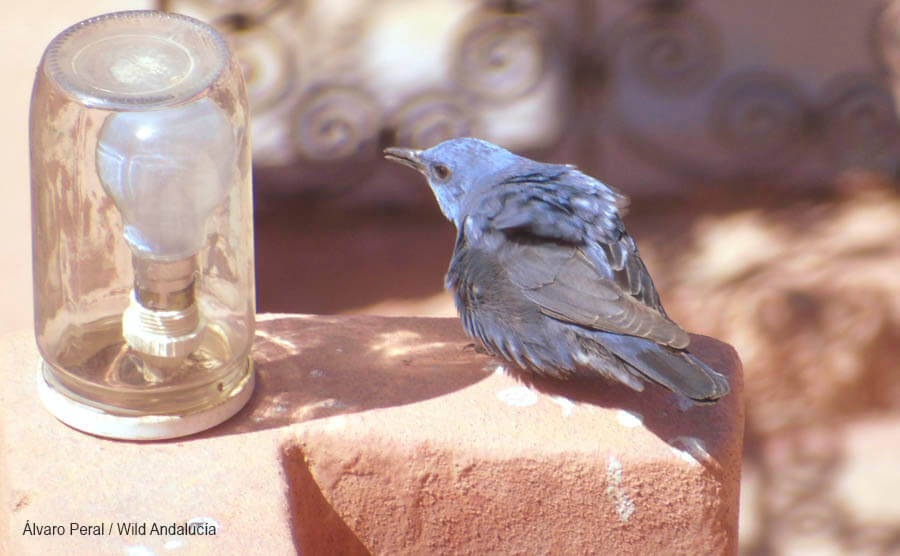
[454, 168]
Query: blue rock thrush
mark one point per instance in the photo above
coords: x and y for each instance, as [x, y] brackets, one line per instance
[545, 275]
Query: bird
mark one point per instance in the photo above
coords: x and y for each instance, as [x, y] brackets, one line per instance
[544, 274]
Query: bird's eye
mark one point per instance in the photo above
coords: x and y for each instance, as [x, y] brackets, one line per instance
[442, 172]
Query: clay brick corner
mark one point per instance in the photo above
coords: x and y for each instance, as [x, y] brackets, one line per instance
[389, 436]
[496, 466]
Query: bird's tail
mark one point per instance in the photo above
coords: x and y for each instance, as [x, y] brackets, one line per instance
[677, 370]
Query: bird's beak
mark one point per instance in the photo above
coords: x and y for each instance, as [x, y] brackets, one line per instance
[406, 157]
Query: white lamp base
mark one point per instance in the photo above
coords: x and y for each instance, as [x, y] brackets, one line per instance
[143, 427]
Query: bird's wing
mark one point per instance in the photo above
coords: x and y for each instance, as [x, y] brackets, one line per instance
[566, 248]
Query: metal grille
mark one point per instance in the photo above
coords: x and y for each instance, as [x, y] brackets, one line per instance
[652, 96]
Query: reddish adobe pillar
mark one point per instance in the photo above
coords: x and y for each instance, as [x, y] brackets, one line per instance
[387, 436]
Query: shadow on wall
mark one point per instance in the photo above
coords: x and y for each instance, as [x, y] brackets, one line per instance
[310, 368]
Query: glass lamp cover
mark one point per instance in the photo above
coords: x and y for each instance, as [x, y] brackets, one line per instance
[142, 226]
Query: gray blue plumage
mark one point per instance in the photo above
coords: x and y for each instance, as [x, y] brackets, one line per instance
[545, 275]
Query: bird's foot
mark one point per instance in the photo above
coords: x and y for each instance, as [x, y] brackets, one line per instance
[472, 346]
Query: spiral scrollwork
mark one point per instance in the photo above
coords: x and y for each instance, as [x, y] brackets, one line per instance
[762, 117]
[502, 57]
[335, 123]
[670, 52]
[861, 119]
[429, 118]
[268, 65]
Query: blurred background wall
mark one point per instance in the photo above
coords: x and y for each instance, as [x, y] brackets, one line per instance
[657, 96]
[759, 141]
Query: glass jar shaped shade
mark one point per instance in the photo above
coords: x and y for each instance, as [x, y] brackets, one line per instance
[142, 226]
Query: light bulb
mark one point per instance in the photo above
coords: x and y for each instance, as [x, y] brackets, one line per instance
[164, 169]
